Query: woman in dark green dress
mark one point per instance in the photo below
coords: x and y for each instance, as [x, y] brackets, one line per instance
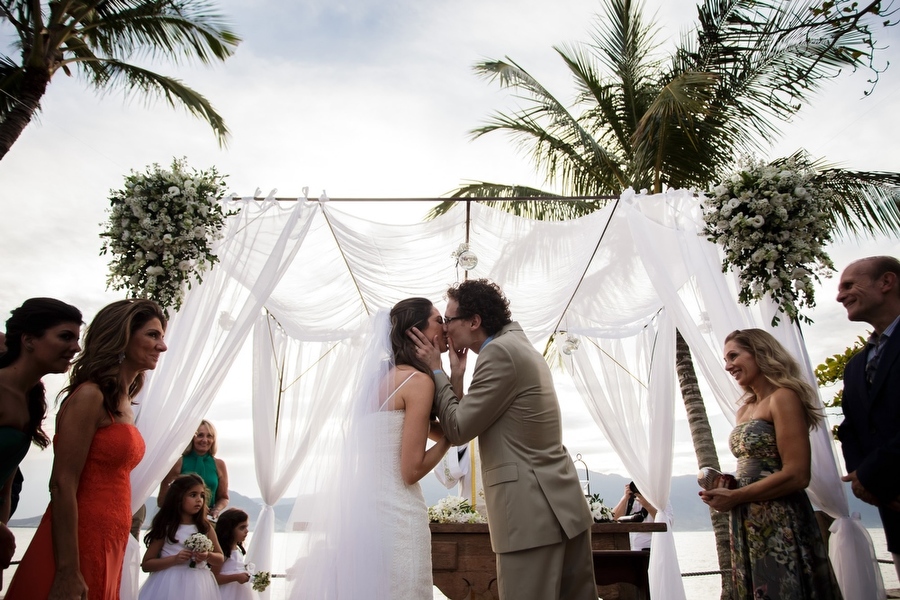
[41, 337]
[200, 458]
[777, 551]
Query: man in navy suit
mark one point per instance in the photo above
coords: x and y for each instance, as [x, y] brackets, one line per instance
[870, 434]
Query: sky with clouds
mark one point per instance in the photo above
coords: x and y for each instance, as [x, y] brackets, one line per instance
[360, 99]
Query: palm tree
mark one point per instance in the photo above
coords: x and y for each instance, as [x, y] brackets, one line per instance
[96, 38]
[682, 121]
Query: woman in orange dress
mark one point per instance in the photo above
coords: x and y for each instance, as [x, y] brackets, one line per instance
[78, 549]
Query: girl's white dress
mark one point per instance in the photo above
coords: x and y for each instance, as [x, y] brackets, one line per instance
[234, 590]
[180, 581]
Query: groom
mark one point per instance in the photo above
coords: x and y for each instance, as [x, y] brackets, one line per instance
[538, 518]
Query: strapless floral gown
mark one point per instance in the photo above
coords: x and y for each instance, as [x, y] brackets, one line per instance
[777, 551]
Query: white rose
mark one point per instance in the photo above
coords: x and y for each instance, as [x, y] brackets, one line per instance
[174, 190]
[757, 221]
[167, 238]
[775, 283]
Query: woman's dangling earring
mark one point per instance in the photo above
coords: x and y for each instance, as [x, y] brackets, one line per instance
[121, 357]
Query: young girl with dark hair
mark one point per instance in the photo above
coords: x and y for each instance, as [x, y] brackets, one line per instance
[232, 528]
[177, 571]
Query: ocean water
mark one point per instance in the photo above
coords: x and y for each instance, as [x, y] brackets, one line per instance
[696, 552]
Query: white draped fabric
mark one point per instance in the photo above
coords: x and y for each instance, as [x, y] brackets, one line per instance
[295, 390]
[204, 337]
[621, 279]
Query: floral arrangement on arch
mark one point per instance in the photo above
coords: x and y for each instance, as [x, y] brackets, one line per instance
[773, 222]
[160, 232]
[454, 509]
[600, 512]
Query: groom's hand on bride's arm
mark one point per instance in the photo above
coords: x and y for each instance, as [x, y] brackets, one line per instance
[426, 349]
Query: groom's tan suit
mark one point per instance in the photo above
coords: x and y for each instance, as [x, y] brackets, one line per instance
[531, 488]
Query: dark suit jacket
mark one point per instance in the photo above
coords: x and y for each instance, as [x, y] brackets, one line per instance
[531, 488]
[870, 433]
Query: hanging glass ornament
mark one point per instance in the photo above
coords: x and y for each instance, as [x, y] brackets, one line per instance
[570, 344]
[465, 258]
[567, 342]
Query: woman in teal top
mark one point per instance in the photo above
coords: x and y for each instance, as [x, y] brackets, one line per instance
[200, 458]
[41, 337]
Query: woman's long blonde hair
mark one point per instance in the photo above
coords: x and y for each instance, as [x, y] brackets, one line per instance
[779, 367]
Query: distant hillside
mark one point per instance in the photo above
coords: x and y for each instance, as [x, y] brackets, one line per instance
[690, 513]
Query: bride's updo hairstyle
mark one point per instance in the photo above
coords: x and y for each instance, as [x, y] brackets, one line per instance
[406, 314]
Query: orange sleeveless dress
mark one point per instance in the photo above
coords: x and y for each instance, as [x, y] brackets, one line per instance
[104, 520]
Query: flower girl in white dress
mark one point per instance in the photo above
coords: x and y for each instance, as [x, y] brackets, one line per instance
[176, 571]
[232, 576]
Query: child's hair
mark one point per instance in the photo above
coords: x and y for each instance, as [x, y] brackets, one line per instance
[165, 522]
[225, 526]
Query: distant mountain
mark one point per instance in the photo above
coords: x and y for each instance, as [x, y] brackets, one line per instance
[690, 513]
[251, 506]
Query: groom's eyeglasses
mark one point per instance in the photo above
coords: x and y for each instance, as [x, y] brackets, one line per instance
[448, 320]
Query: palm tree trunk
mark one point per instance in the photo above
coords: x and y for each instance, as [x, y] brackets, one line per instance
[705, 449]
[26, 102]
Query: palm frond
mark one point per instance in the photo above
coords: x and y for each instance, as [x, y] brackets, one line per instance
[175, 30]
[869, 201]
[667, 138]
[771, 57]
[10, 83]
[137, 79]
[545, 209]
[558, 144]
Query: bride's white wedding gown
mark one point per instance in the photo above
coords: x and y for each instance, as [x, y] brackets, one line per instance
[402, 512]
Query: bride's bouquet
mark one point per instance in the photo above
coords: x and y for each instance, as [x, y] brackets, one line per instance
[197, 542]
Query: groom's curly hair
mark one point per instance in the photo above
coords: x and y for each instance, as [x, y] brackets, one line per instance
[484, 298]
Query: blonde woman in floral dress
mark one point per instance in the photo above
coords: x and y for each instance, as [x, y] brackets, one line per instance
[777, 551]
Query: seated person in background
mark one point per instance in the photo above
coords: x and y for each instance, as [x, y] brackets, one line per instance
[634, 507]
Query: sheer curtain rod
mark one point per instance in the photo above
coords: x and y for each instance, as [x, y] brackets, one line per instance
[512, 199]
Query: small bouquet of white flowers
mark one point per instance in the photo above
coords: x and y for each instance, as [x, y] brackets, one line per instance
[260, 580]
[600, 512]
[454, 509]
[197, 542]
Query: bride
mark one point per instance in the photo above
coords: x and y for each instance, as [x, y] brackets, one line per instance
[369, 535]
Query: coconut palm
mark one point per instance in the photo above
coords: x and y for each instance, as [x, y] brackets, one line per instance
[648, 121]
[100, 40]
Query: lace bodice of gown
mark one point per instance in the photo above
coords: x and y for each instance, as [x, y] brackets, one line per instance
[402, 511]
